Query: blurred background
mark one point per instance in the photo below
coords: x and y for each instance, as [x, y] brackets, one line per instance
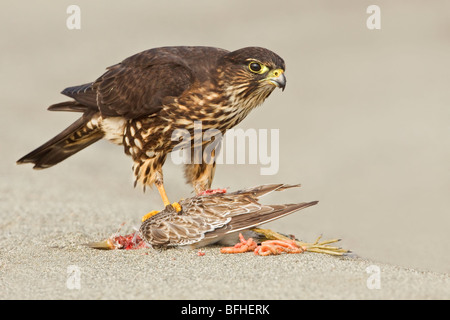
[364, 120]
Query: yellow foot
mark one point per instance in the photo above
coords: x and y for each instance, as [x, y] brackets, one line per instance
[148, 215]
[175, 205]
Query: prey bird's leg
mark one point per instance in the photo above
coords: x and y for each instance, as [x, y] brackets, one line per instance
[318, 247]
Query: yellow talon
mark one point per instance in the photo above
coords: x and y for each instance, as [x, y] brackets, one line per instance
[148, 215]
[175, 205]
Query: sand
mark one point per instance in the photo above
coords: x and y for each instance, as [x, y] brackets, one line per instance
[363, 127]
[43, 256]
[58, 267]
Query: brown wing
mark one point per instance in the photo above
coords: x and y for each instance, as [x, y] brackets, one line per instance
[140, 84]
[265, 214]
[168, 228]
[199, 216]
[265, 189]
[132, 91]
[133, 88]
[206, 219]
[84, 94]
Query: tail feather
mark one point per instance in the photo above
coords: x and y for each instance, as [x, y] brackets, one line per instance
[246, 221]
[260, 191]
[76, 137]
[254, 219]
[71, 106]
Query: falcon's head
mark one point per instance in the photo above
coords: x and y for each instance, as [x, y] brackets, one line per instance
[249, 75]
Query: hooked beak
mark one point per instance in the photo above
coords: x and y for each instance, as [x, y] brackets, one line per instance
[277, 78]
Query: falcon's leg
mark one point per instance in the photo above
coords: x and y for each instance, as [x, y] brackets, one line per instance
[149, 172]
[160, 186]
[200, 176]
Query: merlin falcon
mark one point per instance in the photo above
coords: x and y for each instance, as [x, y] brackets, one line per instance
[139, 102]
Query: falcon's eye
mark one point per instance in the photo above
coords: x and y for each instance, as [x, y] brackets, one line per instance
[257, 67]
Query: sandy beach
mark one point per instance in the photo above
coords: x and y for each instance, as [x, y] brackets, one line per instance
[363, 127]
[43, 256]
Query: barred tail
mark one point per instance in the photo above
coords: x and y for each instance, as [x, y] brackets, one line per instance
[76, 137]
